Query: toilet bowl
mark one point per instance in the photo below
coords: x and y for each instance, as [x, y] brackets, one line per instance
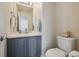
[65, 46]
[55, 52]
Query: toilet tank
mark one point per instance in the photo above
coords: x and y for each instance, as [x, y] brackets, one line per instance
[66, 44]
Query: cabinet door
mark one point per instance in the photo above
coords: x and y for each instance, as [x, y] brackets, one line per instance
[19, 47]
[26, 47]
[10, 48]
[38, 49]
[34, 46]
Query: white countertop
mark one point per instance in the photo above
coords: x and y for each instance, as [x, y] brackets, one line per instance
[32, 33]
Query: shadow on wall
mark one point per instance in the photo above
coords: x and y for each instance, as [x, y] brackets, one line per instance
[77, 44]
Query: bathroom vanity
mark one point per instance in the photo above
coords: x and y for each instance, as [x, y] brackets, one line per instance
[24, 33]
[24, 45]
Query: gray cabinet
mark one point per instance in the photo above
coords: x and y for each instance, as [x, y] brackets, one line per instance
[34, 46]
[10, 48]
[20, 46]
[24, 47]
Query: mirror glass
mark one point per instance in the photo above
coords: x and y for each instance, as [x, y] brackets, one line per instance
[23, 23]
[25, 18]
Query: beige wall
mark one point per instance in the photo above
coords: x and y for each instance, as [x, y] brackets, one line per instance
[8, 15]
[2, 18]
[48, 26]
[2, 28]
[58, 18]
[37, 14]
[67, 18]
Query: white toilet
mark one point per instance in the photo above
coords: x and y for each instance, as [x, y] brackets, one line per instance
[73, 54]
[65, 45]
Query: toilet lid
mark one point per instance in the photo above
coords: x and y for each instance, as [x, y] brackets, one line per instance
[55, 52]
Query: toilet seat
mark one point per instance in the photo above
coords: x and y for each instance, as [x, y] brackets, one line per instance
[55, 52]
